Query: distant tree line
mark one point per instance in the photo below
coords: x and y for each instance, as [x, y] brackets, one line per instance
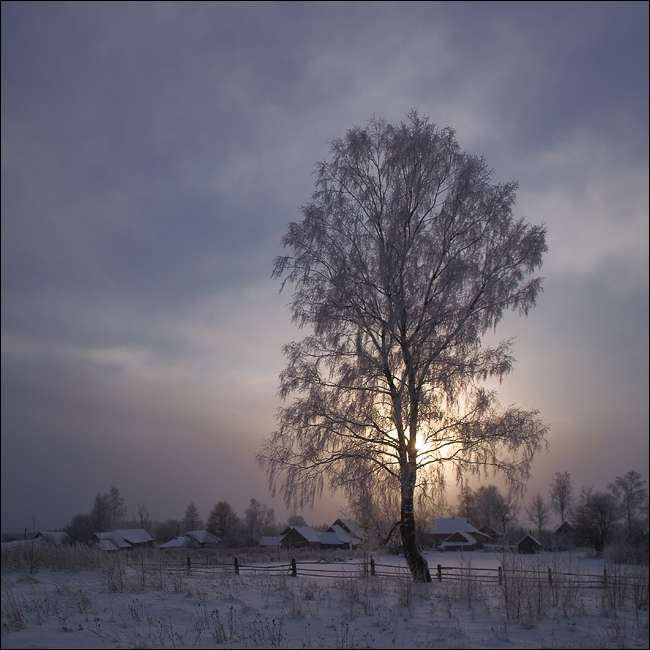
[614, 519]
[109, 512]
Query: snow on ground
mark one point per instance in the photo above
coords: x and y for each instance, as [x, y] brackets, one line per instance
[135, 606]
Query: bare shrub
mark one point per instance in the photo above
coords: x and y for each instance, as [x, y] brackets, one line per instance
[32, 556]
[614, 585]
[512, 585]
[310, 589]
[464, 584]
[221, 632]
[112, 570]
[346, 636]
[13, 610]
[267, 633]
[565, 588]
[405, 590]
[640, 585]
[351, 597]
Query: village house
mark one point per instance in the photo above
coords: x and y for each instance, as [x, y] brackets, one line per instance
[333, 540]
[454, 533]
[348, 532]
[192, 539]
[300, 537]
[109, 541]
[342, 534]
[356, 533]
[118, 540]
[52, 537]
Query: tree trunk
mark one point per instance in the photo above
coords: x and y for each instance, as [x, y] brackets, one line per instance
[417, 563]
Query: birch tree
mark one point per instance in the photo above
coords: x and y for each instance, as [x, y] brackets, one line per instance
[629, 492]
[561, 493]
[406, 256]
[595, 517]
[538, 513]
[223, 520]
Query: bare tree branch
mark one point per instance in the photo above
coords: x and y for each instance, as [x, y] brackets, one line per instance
[406, 256]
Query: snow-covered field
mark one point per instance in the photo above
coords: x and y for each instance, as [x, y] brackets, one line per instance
[138, 605]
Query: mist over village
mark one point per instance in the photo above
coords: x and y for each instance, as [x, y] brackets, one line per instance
[325, 324]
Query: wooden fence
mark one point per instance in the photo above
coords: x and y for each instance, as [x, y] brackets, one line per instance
[370, 568]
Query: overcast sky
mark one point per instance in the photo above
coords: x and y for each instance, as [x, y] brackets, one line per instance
[152, 157]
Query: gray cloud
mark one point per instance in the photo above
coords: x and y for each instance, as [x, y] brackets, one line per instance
[153, 154]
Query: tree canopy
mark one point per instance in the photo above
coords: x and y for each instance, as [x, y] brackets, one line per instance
[405, 257]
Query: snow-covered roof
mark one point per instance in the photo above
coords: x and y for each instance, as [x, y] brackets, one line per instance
[489, 530]
[110, 541]
[114, 539]
[330, 538]
[562, 524]
[307, 532]
[203, 537]
[107, 545]
[54, 537]
[352, 527]
[343, 535]
[271, 540]
[135, 535]
[459, 538]
[531, 537]
[193, 538]
[177, 542]
[449, 525]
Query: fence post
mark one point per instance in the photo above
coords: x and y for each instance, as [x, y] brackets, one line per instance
[500, 575]
[439, 573]
[189, 564]
[236, 566]
[605, 576]
[372, 566]
[550, 577]
[294, 568]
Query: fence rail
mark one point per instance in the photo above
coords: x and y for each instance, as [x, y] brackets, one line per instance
[370, 568]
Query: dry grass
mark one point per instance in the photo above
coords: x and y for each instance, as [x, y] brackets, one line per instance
[132, 600]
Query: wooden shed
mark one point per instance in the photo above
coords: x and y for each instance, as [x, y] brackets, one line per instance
[528, 544]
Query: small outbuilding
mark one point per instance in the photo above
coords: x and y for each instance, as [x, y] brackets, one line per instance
[564, 536]
[528, 544]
